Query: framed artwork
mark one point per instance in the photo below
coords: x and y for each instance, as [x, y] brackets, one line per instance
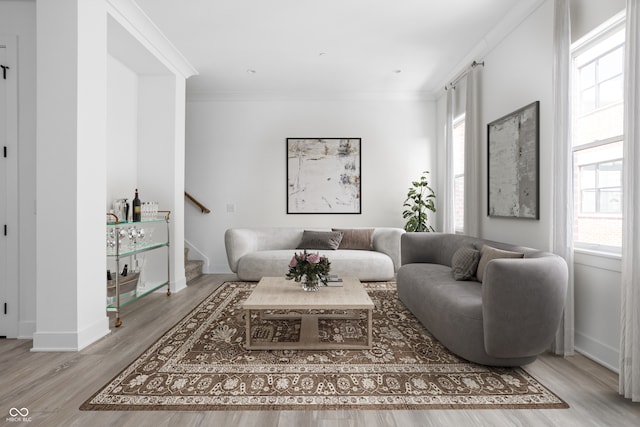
[323, 176]
[513, 150]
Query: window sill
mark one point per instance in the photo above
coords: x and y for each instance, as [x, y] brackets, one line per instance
[598, 259]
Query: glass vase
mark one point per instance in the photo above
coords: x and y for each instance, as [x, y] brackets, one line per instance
[309, 285]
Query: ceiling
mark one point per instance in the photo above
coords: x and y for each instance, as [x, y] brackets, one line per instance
[298, 47]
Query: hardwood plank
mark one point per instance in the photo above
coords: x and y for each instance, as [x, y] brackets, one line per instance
[53, 385]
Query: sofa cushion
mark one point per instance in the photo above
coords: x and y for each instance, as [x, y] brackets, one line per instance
[464, 263]
[356, 238]
[489, 253]
[320, 240]
[365, 265]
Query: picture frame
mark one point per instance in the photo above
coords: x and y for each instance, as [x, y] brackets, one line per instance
[513, 150]
[324, 176]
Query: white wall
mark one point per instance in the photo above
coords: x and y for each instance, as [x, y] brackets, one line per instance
[18, 18]
[587, 14]
[71, 174]
[122, 131]
[518, 71]
[235, 161]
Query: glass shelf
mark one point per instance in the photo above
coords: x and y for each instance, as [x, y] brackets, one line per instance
[114, 307]
[139, 240]
[137, 249]
[144, 221]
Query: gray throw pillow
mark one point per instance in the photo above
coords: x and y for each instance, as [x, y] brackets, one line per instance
[464, 263]
[489, 253]
[320, 240]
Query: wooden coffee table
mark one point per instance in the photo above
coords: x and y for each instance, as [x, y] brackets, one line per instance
[287, 296]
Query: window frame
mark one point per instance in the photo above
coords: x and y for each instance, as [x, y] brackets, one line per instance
[581, 46]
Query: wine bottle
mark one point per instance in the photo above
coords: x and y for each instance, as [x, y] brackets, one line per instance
[125, 270]
[137, 208]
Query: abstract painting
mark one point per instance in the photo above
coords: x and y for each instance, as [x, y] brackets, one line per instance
[323, 176]
[513, 145]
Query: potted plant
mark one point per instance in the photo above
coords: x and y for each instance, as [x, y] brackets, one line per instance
[420, 198]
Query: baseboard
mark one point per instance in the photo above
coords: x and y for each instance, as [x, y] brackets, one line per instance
[599, 352]
[26, 329]
[72, 340]
[178, 285]
[219, 269]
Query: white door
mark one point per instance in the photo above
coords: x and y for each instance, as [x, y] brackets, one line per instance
[8, 189]
[4, 322]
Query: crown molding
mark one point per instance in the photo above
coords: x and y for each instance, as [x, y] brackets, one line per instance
[512, 20]
[133, 19]
[212, 96]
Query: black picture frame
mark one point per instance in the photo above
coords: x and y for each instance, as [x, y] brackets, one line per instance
[513, 166]
[324, 176]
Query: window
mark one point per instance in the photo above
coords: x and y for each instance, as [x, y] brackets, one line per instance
[458, 173]
[597, 140]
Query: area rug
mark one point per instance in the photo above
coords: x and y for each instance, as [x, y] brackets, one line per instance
[201, 364]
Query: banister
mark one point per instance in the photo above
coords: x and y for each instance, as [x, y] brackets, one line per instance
[202, 207]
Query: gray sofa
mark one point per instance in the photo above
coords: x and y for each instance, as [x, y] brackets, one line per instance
[507, 320]
[254, 253]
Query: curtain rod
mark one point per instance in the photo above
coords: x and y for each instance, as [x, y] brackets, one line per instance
[462, 74]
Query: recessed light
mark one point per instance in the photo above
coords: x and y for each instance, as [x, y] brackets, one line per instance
[250, 71]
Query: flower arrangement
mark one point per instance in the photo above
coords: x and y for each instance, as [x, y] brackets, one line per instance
[314, 266]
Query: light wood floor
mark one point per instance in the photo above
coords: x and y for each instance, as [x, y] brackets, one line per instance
[53, 385]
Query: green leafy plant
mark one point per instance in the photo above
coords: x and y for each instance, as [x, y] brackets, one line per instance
[420, 199]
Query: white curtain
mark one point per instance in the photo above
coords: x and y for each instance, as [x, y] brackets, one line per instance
[448, 225]
[630, 311]
[563, 167]
[472, 141]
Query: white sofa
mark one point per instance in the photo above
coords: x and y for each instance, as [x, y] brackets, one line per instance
[254, 253]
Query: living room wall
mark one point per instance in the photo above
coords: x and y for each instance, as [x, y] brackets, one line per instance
[236, 152]
[518, 71]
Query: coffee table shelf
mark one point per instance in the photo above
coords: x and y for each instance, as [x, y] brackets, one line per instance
[277, 293]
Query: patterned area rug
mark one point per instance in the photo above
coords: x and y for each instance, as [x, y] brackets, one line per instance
[201, 364]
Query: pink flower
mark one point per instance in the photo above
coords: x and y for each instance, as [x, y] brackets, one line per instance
[313, 258]
[293, 262]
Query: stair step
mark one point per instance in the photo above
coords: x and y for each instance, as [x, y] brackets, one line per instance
[193, 269]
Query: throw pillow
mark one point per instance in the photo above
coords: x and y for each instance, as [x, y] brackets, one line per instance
[488, 253]
[356, 238]
[320, 240]
[464, 263]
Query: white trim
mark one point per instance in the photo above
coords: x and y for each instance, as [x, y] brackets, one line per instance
[70, 340]
[13, 219]
[26, 329]
[609, 26]
[602, 260]
[204, 96]
[199, 254]
[177, 285]
[597, 351]
[512, 20]
[128, 14]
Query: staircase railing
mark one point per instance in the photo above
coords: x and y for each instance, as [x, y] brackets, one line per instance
[192, 199]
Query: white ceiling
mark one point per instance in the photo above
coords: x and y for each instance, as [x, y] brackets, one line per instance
[299, 47]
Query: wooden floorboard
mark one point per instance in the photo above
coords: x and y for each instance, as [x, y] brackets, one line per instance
[53, 385]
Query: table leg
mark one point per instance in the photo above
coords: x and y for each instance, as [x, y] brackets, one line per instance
[370, 327]
[247, 315]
